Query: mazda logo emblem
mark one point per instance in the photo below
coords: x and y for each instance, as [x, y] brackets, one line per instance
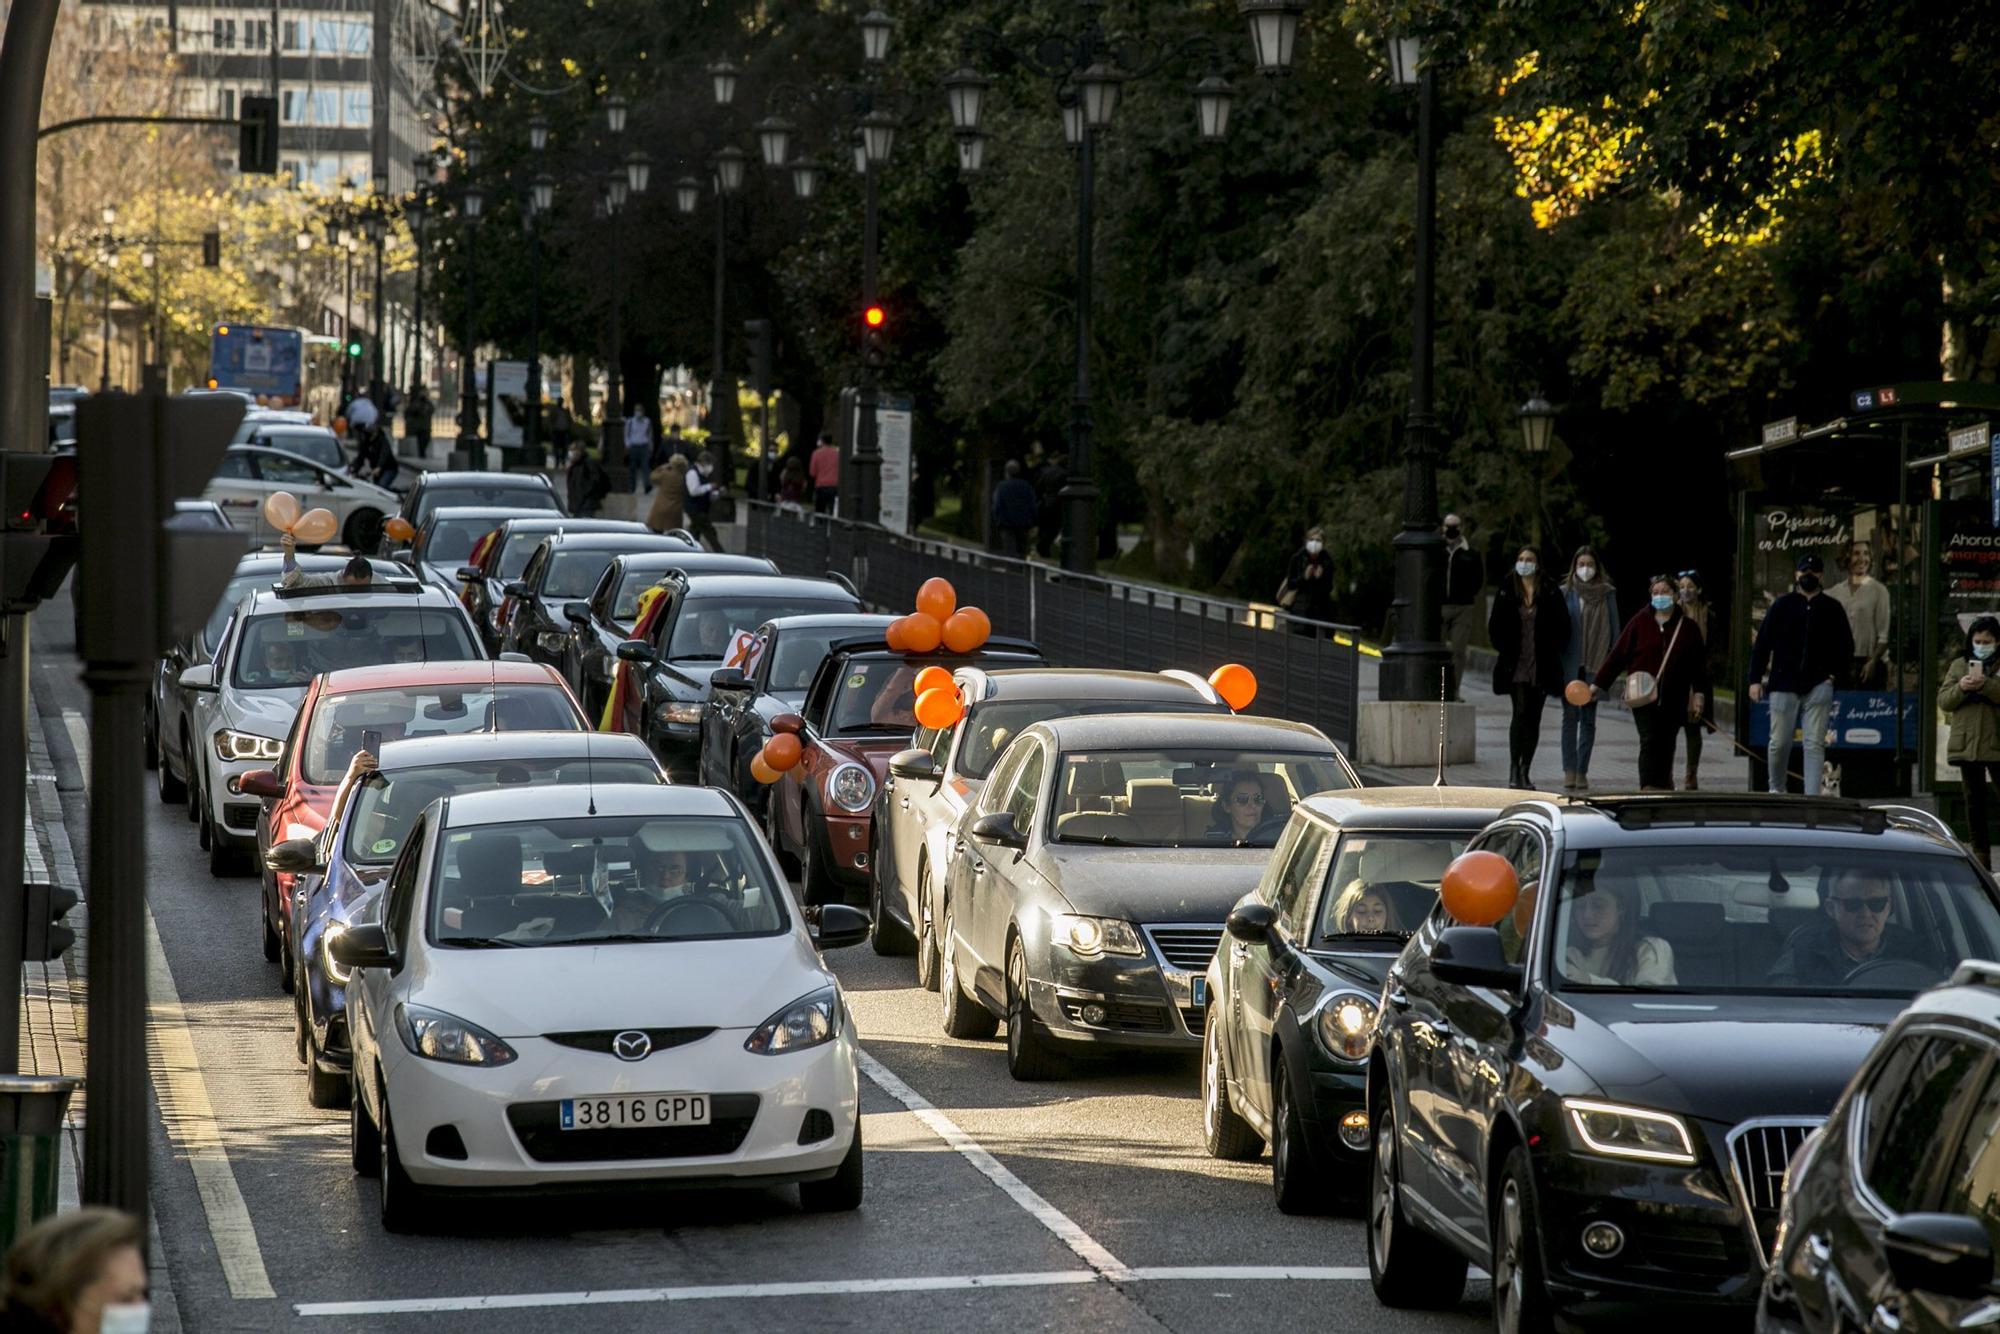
[631, 1045]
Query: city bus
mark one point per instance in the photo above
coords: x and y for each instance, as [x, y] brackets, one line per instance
[263, 360]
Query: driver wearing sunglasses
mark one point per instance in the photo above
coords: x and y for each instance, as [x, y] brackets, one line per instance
[1856, 931]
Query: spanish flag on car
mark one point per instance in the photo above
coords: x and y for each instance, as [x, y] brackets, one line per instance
[650, 604]
[478, 557]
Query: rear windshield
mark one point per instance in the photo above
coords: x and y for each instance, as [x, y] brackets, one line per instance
[319, 446]
[574, 574]
[452, 540]
[520, 549]
[344, 724]
[704, 628]
[389, 802]
[479, 493]
[285, 649]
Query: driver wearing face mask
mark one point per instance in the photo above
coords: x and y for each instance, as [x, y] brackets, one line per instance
[1307, 592]
[662, 877]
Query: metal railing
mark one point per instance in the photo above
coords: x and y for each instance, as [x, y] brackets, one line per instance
[1306, 670]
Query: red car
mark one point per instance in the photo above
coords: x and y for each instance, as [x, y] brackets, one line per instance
[860, 709]
[362, 708]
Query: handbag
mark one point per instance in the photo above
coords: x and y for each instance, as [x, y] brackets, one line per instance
[1288, 593]
[1643, 688]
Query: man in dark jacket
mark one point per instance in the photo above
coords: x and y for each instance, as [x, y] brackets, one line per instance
[588, 482]
[1049, 482]
[1802, 648]
[1857, 932]
[1013, 511]
[1464, 581]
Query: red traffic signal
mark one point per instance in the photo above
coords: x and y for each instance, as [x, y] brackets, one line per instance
[874, 317]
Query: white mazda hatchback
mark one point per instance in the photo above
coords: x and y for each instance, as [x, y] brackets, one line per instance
[606, 985]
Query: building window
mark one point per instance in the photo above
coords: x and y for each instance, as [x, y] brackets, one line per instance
[296, 169]
[292, 33]
[256, 35]
[357, 108]
[292, 107]
[222, 35]
[225, 102]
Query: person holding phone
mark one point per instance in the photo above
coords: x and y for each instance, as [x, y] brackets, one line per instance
[1970, 701]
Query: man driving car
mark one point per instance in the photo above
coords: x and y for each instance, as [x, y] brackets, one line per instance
[1856, 931]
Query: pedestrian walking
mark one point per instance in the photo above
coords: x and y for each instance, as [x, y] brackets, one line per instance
[1970, 700]
[1050, 480]
[1866, 602]
[672, 443]
[1014, 511]
[418, 414]
[824, 469]
[703, 489]
[1802, 648]
[588, 482]
[1307, 591]
[1464, 581]
[1695, 603]
[669, 508]
[560, 423]
[792, 485]
[1592, 604]
[1665, 664]
[1529, 626]
[78, 1272]
[639, 450]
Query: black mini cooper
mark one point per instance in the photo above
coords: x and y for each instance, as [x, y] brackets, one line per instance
[1597, 1056]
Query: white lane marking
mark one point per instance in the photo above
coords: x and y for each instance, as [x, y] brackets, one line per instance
[79, 741]
[1050, 1217]
[190, 1121]
[824, 1288]
[1227, 1273]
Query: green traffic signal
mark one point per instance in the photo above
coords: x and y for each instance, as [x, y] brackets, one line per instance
[354, 349]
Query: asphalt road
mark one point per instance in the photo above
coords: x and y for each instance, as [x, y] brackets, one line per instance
[991, 1205]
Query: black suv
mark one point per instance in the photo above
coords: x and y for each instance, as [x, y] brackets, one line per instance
[1892, 1211]
[1590, 1079]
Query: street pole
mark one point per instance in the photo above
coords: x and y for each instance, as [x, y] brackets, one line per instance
[614, 388]
[1415, 657]
[715, 374]
[347, 329]
[24, 59]
[867, 450]
[1079, 493]
[104, 369]
[531, 440]
[379, 322]
[13, 829]
[468, 403]
[417, 301]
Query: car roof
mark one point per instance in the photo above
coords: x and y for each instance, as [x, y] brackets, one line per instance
[280, 427]
[573, 802]
[545, 522]
[620, 541]
[526, 481]
[502, 512]
[1972, 993]
[405, 592]
[767, 585]
[1412, 807]
[860, 621]
[1605, 819]
[1193, 731]
[419, 752]
[691, 560]
[457, 671]
[1080, 683]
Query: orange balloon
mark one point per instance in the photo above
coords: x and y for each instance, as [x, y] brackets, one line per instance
[281, 510]
[1236, 684]
[1577, 693]
[966, 630]
[400, 529]
[788, 722]
[763, 772]
[1479, 888]
[922, 633]
[783, 751]
[936, 678]
[316, 526]
[938, 709]
[937, 599]
[893, 636]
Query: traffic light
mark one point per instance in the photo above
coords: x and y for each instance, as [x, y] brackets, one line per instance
[759, 332]
[211, 249]
[354, 348]
[37, 526]
[257, 137]
[43, 907]
[875, 322]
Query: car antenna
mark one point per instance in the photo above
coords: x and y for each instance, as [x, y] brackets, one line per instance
[1444, 690]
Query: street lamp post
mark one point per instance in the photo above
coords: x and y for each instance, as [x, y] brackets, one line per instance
[540, 202]
[729, 163]
[1417, 662]
[378, 226]
[418, 213]
[468, 401]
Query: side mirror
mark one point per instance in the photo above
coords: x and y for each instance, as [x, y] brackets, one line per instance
[261, 783]
[1252, 922]
[998, 827]
[916, 762]
[403, 556]
[362, 947]
[470, 574]
[1472, 956]
[1946, 1254]
[299, 856]
[577, 613]
[839, 925]
[518, 589]
[635, 650]
[198, 678]
[728, 678]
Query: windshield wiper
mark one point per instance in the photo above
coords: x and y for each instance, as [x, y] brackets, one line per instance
[1399, 937]
[486, 943]
[1107, 840]
[622, 938]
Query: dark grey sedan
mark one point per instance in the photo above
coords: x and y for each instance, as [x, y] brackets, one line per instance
[1091, 879]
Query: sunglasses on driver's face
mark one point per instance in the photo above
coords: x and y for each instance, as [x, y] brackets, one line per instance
[1872, 905]
[1248, 799]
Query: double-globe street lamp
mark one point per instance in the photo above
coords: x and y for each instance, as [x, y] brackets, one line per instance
[1089, 69]
[471, 203]
[726, 169]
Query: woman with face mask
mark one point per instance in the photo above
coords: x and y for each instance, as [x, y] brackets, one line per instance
[1529, 627]
[78, 1272]
[1667, 684]
[1593, 624]
[1970, 699]
[1308, 588]
[1695, 603]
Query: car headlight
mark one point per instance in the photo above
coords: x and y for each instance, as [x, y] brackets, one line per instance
[1619, 1131]
[1346, 1025]
[437, 1036]
[683, 713]
[806, 1022]
[334, 971]
[232, 745]
[1095, 936]
[850, 787]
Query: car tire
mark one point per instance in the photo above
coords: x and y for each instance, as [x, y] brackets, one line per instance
[152, 735]
[928, 963]
[1520, 1296]
[886, 936]
[964, 1017]
[841, 1192]
[301, 1044]
[1297, 1181]
[1031, 1055]
[189, 786]
[288, 973]
[223, 862]
[401, 1200]
[1223, 1133]
[363, 532]
[1407, 1266]
[815, 884]
[364, 1149]
[270, 932]
[786, 861]
[322, 1090]
[171, 789]
[198, 803]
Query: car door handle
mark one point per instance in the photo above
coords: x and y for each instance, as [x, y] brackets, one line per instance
[904, 802]
[1887, 1317]
[1398, 997]
[1819, 1251]
[978, 867]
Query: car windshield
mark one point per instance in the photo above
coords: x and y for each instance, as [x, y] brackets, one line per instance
[635, 580]
[309, 563]
[1702, 916]
[319, 446]
[1185, 798]
[799, 654]
[574, 574]
[389, 801]
[365, 719]
[879, 696]
[705, 626]
[285, 649]
[520, 549]
[451, 540]
[996, 722]
[490, 496]
[637, 879]
[1384, 885]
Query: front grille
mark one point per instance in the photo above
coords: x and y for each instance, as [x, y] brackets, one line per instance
[1188, 948]
[538, 1125]
[599, 1040]
[240, 815]
[1679, 1248]
[1196, 1019]
[1759, 1152]
[1126, 1017]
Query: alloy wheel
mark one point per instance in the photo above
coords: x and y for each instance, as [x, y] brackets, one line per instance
[1508, 1279]
[1211, 1081]
[1382, 1198]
